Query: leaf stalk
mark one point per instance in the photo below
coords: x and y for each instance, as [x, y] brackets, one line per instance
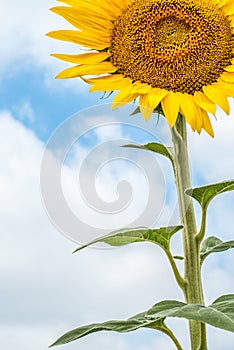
[173, 338]
[179, 279]
[200, 235]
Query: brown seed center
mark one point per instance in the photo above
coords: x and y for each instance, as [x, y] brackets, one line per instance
[178, 45]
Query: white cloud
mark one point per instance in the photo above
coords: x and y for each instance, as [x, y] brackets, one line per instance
[213, 161]
[214, 156]
[24, 112]
[24, 44]
[45, 290]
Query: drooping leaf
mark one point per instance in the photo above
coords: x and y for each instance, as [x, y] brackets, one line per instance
[214, 245]
[155, 147]
[205, 194]
[219, 314]
[160, 236]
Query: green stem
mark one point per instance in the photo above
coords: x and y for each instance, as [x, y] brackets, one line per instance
[192, 272]
[203, 337]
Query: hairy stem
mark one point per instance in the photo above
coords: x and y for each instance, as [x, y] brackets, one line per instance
[192, 272]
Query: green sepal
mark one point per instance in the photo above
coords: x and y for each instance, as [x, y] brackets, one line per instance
[160, 236]
[213, 244]
[106, 95]
[136, 111]
[157, 110]
[205, 194]
[219, 314]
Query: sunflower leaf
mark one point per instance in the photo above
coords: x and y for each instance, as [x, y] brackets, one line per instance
[214, 245]
[155, 147]
[205, 194]
[160, 236]
[220, 314]
[124, 326]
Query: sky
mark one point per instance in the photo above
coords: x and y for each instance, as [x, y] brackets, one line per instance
[64, 180]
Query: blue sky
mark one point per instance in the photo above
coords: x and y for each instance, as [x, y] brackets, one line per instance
[50, 108]
[45, 290]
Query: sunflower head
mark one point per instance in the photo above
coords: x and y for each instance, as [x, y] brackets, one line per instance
[177, 53]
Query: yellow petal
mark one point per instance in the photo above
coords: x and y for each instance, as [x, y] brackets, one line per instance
[220, 3]
[228, 77]
[89, 8]
[123, 3]
[145, 108]
[123, 97]
[81, 38]
[120, 4]
[204, 102]
[85, 58]
[216, 95]
[89, 23]
[72, 15]
[141, 88]
[150, 101]
[155, 96]
[229, 68]
[109, 83]
[170, 106]
[229, 7]
[73, 72]
[198, 115]
[231, 19]
[206, 124]
[226, 88]
[188, 109]
[111, 8]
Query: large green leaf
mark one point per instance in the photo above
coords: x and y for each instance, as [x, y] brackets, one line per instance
[219, 314]
[205, 194]
[155, 147]
[129, 325]
[214, 245]
[160, 236]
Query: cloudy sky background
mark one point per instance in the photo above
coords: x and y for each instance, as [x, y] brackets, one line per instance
[45, 290]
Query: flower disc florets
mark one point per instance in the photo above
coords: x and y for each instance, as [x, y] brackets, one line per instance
[179, 45]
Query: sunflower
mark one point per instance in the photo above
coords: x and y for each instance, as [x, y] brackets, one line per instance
[178, 54]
